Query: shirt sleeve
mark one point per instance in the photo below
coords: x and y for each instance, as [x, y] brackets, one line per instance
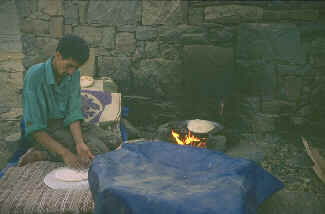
[34, 110]
[74, 111]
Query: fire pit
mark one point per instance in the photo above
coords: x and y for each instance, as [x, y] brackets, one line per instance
[196, 133]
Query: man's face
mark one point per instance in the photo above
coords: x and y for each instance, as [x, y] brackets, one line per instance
[65, 67]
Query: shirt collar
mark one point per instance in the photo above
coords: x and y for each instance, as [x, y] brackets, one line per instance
[49, 72]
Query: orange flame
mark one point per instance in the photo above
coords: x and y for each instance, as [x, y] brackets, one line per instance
[189, 140]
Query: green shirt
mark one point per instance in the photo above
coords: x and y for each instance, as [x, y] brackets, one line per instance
[44, 99]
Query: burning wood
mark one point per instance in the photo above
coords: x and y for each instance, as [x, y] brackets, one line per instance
[189, 139]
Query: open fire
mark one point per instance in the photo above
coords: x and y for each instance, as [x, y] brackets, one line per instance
[189, 139]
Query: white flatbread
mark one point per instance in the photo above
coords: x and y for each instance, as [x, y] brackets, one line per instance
[86, 81]
[67, 174]
[200, 126]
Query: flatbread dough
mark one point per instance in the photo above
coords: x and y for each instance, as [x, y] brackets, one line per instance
[200, 126]
[86, 81]
[72, 175]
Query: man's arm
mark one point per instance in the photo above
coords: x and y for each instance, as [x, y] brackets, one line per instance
[81, 148]
[52, 145]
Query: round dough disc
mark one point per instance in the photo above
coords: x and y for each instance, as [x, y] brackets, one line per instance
[200, 126]
[86, 81]
[67, 174]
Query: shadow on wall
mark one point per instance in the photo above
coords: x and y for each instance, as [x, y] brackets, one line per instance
[209, 80]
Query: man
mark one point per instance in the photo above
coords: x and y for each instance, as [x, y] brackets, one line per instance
[52, 101]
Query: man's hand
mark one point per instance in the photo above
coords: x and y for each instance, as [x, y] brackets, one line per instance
[84, 153]
[73, 161]
[82, 149]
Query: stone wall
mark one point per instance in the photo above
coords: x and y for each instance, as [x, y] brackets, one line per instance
[11, 55]
[266, 53]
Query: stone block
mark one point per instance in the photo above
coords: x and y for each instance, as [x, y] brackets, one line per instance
[109, 37]
[46, 47]
[100, 51]
[170, 51]
[164, 12]
[16, 79]
[194, 39]
[50, 7]
[83, 7]
[57, 27]
[152, 49]
[251, 105]
[35, 27]
[9, 20]
[6, 55]
[118, 68]
[127, 28]
[26, 27]
[196, 16]
[28, 41]
[32, 60]
[71, 13]
[113, 13]
[67, 29]
[291, 87]
[259, 78]
[125, 43]
[296, 15]
[292, 69]
[89, 67]
[10, 42]
[318, 61]
[317, 53]
[157, 76]
[146, 33]
[311, 29]
[26, 8]
[140, 50]
[91, 34]
[218, 56]
[233, 13]
[219, 35]
[11, 65]
[318, 45]
[174, 34]
[278, 41]
[8, 92]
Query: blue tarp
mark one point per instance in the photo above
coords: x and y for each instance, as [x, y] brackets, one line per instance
[160, 178]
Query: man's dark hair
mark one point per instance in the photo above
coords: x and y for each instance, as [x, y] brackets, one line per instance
[72, 46]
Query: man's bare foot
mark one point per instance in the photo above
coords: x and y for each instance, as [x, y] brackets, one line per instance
[31, 156]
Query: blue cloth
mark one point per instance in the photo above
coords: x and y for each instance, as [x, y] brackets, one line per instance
[124, 134]
[160, 177]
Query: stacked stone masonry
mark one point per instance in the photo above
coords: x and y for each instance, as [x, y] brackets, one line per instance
[276, 49]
